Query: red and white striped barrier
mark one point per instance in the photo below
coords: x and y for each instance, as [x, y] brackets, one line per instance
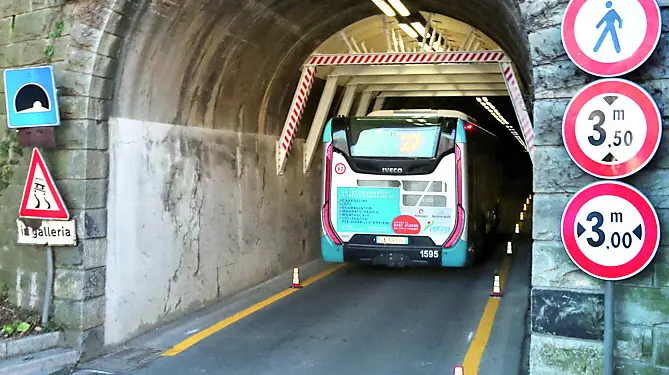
[406, 58]
[519, 106]
[308, 74]
[295, 115]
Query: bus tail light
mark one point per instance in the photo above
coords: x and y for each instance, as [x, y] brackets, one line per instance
[458, 168]
[459, 224]
[328, 226]
[460, 218]
[326, 206]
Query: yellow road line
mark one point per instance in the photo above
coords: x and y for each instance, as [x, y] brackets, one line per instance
[199, 336]
[478, 344]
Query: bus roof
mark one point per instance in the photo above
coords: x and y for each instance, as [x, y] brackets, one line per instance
[423, 113]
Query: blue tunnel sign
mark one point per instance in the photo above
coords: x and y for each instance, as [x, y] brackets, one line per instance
[30, 94]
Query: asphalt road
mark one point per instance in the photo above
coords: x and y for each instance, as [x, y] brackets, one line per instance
[361, 320]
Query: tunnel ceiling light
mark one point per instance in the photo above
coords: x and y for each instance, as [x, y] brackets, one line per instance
[400, 8]
[418, 27]
[385, 8]
[410, 31]
[493, 111]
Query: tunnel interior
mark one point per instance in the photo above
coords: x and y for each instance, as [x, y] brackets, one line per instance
[202, 92]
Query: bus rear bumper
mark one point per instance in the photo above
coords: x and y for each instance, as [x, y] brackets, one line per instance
[394, 256]
[409, 256]
[330, 251]
[457, 255]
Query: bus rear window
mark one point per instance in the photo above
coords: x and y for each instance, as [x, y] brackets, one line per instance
[393, 138]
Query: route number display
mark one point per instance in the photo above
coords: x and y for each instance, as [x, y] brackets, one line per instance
[610, 230]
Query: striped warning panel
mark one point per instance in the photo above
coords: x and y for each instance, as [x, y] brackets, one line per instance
[519, 104]
[406, 58]
[297, 109]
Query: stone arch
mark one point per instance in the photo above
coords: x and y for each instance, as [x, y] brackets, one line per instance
[135, 55]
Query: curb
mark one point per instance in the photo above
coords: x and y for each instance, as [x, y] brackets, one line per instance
[30, 344]
[49, 360]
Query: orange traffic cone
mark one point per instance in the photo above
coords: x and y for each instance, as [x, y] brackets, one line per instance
[509, 250]
[459, 370]
[496, 287]
[296, 278]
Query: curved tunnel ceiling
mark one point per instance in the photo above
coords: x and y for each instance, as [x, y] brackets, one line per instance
[370, 31]
[234, 65]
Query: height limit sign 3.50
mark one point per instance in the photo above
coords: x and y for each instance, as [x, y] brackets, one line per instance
[612, 128]
[610, 230]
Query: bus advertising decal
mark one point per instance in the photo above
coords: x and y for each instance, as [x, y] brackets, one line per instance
[406, 224]
[378, 210]
[431, 228]
[367, 209]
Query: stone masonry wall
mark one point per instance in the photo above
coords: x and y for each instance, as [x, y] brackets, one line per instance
[566, 304]
[82, 40]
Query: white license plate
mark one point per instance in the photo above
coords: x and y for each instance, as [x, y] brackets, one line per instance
[392, 240]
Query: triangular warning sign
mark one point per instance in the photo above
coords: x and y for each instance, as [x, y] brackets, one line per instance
[41, 199]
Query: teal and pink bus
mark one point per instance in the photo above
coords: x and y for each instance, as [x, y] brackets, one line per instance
[399, 189]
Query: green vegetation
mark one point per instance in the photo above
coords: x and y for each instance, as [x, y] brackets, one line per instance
[16, 322]
[58, 31]
[10, 154]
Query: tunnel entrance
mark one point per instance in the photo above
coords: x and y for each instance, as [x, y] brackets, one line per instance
[427, 55]
[201, 97]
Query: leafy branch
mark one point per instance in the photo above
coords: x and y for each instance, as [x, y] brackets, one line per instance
[16, 327]
[58, 31]
[10, 154]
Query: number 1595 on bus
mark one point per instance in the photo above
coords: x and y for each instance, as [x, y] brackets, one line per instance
[429, 253]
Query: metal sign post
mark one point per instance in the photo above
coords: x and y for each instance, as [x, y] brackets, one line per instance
[31, 99]
[610, 231]
[611, 129]
[608, 329]
[44, 219]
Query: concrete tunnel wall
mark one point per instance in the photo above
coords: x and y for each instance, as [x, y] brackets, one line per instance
[248, 60]
[215, 67]
[196, 215]
[201, 88]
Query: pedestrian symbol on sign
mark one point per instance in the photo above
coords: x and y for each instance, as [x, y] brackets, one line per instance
[610, 19]
[595, 40]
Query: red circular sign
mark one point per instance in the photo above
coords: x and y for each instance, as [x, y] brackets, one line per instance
[611, 38]
[610, 230]
[405, 224]
[612, 128]
[340, 168]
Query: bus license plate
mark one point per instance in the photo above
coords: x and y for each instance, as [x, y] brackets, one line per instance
[392, 240]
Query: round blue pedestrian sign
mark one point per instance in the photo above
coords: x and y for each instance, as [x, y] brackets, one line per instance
[609, 38]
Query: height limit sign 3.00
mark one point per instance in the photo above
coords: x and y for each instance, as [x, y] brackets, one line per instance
[612, 128]
[610, 230]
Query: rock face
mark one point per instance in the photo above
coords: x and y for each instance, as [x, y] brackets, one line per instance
[567, 304]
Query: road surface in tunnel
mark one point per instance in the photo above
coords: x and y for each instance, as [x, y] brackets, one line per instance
[364, 320]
